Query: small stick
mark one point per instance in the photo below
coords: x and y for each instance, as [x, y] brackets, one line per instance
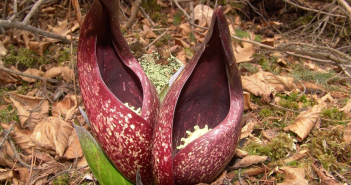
[23, 26]
[156, 39]
[28, 75]
[147, 16]
[133, 15]
[7, 134]
[31, 12]
[187, 15]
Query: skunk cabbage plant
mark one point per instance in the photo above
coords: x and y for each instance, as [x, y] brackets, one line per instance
[205, 100]
[192, 136]
[121, 103]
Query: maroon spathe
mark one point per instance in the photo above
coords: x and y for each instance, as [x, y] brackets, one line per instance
[110, 76]
[207, 92]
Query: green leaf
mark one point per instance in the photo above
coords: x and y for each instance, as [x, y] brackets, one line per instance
[99, 164]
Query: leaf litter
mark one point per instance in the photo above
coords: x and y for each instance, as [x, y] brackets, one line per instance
[299, 126]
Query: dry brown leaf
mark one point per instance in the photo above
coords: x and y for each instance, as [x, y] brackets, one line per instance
[62, 107]
[243, 54]
[347, 134]
[5, 174]
[203, 14]
[30, 110]
[51, 135]
[6, 78]
[183, 43]
[42, 157]
[6, 153]
[322, 101]
[185, 28]
[347, 107]
[311, 87]
[249, 160]
[254, 85]
[74, 149]
[38, 47]
[247, 129]
[240, 153]
[22, 174]
[32, 71]
[310, 65]
[293, 176]
[66, 73]
[20, 136]
[248, 105]
[151, 35]
[324, 175]
[181, 57]
[280, 83]
[305, 121]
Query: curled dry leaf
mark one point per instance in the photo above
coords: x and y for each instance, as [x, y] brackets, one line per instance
[280, 83]
[67, 107]
[66, 73]
[6, 174]
[248, 105]
[6, 78]
[20, 136]
[247, 129]
[203, 14]
[30, 110]
[249, 160]
[347, 133]
[6, 153]
[347, 107]
[74, 149]
[293, 176]
[51, 135]
[32, 71]
[305, 121]
[256, 86]
[243, 54]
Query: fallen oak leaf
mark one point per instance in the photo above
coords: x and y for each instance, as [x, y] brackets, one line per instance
[74, 149]
[324, 175]
[305, 121]
[243, 54]
[254, 85]
[30, 110]
[32, 71]
[51, 135]
[249, 160]
[293, 176]
[280, 83]
[66, 73]
[20, 136]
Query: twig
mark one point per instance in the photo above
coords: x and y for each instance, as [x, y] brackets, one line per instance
[284, 108]
[28, 7]
[7, 134]
[239, 176]
[31, 12]
[21, 25]
[188, 16]
[66, 171]
[133, 15]
[312, 10]
[29, 76]
[156, 39]
[346, 6]
[147, 16]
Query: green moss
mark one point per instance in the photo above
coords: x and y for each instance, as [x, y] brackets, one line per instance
[159, 17]
[334, 115]
[9, 114]
[61, 180]
[277, 148]
[251, 68]
[189, 52]
[266, 113]
[191, 37]
[289, 104]
[151, 6]
[328, 147]
[301, 73]
[177, 19]
[268, 63]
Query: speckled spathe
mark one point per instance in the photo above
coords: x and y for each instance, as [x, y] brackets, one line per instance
[110, 76]
[207, 92]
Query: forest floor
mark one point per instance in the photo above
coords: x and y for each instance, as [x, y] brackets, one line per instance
[293, 56]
